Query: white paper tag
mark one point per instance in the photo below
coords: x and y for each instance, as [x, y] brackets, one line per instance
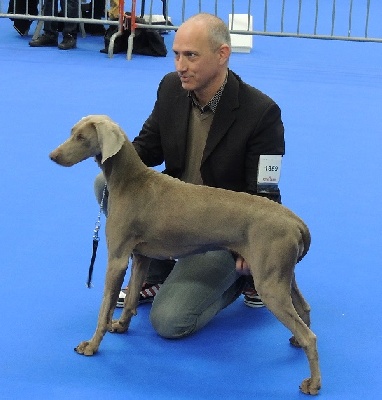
[269, 169]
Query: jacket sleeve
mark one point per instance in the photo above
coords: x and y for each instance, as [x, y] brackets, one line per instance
[268, 139]
[148, 142]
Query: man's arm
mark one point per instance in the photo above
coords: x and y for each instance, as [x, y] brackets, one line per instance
[268, 139]
[148, 142]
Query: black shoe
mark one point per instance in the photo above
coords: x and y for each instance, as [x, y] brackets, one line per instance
[69, 42]
[45, 40]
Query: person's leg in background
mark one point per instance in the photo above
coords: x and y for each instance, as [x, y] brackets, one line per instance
[69, 32]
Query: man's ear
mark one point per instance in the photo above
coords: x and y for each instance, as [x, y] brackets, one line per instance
[224, 53]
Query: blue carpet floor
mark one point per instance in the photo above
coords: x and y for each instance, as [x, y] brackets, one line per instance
[330, 93]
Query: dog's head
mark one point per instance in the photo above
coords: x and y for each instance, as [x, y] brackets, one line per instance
[93, 136]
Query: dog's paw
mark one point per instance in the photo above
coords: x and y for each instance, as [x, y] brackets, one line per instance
[308, 387]
[118, 327]
[85, 348]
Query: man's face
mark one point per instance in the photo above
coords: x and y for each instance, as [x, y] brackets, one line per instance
[197, 64]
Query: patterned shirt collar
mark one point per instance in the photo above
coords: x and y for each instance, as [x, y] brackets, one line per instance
[213, 103]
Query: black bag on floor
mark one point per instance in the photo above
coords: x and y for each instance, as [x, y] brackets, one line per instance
[147, 42]
[20, 7]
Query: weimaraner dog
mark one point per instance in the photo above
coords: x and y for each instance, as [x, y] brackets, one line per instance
[152, 215]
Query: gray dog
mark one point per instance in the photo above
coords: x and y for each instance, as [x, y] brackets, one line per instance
[152, 215]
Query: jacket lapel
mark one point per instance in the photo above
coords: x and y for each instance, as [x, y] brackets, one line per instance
[181, 108]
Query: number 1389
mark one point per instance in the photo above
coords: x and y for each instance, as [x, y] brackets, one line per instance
[271, 168]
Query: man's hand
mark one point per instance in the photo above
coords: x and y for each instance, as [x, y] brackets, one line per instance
[242, 267]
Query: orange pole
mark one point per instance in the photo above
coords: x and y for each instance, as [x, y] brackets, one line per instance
[133, 8]
[121, 14]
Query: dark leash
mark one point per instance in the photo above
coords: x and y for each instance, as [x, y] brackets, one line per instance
[95, 240]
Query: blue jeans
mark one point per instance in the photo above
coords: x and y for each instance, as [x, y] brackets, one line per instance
[198, 287]
[51, 8]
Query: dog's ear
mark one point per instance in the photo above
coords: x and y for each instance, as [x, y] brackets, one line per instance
[110, 138]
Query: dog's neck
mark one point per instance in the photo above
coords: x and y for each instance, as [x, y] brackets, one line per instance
[127, 160]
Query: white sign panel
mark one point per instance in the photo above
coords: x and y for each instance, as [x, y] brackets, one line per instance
[269, 169]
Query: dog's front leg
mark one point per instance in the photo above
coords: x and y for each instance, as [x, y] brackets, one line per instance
[139, 269]
[114, 279]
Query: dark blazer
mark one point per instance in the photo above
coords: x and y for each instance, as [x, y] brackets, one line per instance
[246, 124]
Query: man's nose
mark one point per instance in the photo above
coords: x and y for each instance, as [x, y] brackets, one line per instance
[180, 64]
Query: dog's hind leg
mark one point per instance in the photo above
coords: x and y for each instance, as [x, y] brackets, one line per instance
[139, 269]
[280, 304]
[301, 306]
[273, 274]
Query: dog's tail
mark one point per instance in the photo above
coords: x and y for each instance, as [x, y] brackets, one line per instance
[305, 241]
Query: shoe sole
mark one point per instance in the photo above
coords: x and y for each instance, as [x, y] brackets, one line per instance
[120, 303]
[253, 303]
[67, 48]
[43, 45]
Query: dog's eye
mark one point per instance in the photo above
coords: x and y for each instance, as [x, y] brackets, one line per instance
[80, 137]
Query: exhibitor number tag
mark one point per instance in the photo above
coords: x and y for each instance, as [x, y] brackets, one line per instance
[269, 169]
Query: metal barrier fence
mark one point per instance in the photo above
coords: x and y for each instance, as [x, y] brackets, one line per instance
[33, 10]
[353, 20]
[92, 12]
[357, 20]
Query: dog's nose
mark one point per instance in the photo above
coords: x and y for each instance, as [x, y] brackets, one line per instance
[53, 156]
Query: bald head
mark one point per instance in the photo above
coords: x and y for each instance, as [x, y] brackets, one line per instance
[202, 49]
[213, 28]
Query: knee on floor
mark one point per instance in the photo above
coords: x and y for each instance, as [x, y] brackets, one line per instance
[171, 324]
